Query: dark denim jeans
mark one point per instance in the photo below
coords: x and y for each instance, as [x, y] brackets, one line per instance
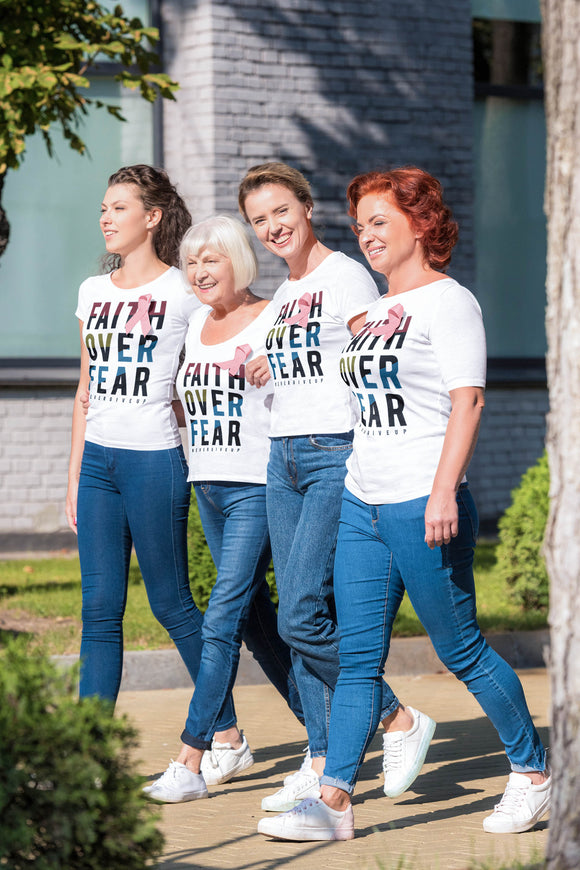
[127, 497]
[381, 551]
[305, 484]
[234, 520]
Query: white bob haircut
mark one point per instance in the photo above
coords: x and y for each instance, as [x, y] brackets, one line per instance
[226, 235]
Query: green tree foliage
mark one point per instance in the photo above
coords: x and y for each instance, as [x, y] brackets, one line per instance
[202, 571]
[68, 797]
[520, 561]
[46, 48]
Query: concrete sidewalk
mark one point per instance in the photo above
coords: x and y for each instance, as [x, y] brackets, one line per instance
[435, 826]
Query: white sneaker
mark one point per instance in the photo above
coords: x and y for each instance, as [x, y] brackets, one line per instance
[302, 785]
[222, 762]
[522, 805]
[310, 820]
[306, 765]
[404, 753]
[177, 784]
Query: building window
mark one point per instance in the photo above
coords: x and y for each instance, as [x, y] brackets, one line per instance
[53, 209]
[509, 161]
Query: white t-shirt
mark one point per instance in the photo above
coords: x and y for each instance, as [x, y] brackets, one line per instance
[303, 344]
[227, 419]
[134, 344]
[402, 385]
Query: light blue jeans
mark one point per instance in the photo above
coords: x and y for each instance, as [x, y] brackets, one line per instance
[235, 524]
[305, 483]
[381, 552]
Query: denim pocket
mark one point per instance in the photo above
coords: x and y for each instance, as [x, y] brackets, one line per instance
[335, 441]
[183, 461]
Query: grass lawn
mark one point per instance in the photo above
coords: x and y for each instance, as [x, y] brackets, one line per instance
[42, 598]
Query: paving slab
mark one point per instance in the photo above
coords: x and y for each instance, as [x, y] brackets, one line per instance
[437, 825]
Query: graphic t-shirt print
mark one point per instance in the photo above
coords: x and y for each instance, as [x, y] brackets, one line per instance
[213, 398]
[293, 343]
[369, 365]
[121, 338]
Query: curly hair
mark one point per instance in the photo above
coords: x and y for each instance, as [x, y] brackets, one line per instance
[156, 191]
[420, 197]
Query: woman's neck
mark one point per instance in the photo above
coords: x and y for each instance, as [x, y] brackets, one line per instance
[138, 268]
[409, 276]
[307, 259]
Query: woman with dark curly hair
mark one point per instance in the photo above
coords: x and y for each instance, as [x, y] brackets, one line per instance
[408, 522]
[127, 471]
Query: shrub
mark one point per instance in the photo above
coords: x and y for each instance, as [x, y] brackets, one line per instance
[520, 562]
[202, 571]
[67, 794]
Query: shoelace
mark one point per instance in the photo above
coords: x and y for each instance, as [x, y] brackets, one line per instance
[299, 780]
[512, 799]
[393, 754]
[170, 773]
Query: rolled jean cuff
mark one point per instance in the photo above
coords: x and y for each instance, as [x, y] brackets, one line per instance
[391, 708]
[526, 768]
[195, 741]
[336, 783]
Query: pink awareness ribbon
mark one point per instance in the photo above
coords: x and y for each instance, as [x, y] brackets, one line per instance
[394, 318]
[141, 315]
[301, 319]
[242, 353]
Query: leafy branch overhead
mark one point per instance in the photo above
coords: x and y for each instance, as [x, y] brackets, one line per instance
[46, 48]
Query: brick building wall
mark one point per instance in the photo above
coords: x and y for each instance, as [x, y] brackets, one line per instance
[332, 88]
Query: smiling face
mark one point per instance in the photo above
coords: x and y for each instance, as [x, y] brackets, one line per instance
[385, 235]
[281, 222]
[125, 223]
[212, 278]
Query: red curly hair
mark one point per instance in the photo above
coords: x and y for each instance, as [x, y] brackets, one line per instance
[420, 197]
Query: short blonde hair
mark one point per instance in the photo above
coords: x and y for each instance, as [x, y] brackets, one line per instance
[274, 173]
[227, 236]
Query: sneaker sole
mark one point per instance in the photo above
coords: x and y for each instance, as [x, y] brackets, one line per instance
[219, 780]
[416, 769]
[176, 800]
[525, 826]
[306, 836]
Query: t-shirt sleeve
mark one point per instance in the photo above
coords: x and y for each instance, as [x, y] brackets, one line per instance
[357, 289]
[83, 302]
[458, 338]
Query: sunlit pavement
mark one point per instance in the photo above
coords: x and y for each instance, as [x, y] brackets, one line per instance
[437, 825]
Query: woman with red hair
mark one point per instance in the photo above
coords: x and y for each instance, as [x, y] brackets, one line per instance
[408, 521]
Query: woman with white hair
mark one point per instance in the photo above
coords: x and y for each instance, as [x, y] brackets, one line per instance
[227, 422]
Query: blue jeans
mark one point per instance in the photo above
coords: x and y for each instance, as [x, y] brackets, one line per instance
[235, 524]
[128, 497]
[305, 483]
[381, 552]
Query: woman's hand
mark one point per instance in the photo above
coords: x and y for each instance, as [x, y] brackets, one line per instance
[441, 513]
[71, 505]
[441, 518]
[258, 371]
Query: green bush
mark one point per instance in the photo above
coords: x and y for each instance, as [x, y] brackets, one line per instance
[520, 562]
[68, 798]
[202, 571]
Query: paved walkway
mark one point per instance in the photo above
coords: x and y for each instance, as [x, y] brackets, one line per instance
[435, 826]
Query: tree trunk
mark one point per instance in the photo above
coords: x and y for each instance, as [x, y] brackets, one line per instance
[561, 38]
[4, 225]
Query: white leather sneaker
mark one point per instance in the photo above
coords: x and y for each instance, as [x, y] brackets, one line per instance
[404, 753]
[523, 804]
[176, 785]
[312, 819]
